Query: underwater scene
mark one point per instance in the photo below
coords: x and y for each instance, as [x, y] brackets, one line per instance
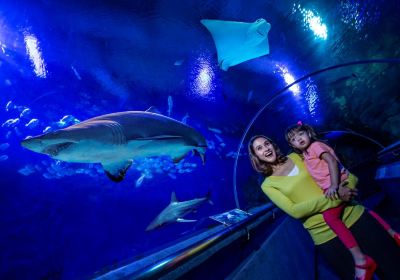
[124, 124]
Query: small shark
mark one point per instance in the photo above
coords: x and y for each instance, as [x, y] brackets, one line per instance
[176, 210]
[114, 140]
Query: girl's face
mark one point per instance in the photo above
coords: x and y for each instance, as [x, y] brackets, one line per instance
[300, 140]
[264, 150]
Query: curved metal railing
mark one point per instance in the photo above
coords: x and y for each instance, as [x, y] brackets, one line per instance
[165, 264]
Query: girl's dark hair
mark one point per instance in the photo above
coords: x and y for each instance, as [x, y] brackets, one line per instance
[261, 166]
[291, 130]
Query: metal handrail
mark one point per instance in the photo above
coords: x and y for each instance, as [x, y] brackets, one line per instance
[183, 255]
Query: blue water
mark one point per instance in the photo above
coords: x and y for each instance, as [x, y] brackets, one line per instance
[64, 62]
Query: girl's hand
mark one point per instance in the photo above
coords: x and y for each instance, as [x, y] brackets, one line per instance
[345, 193]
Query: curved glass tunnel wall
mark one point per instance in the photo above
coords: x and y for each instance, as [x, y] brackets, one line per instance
[80, 210]
[314, 100]
[66, 220]
[355, 108]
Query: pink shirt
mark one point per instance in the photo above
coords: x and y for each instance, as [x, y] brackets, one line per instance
[317, 167]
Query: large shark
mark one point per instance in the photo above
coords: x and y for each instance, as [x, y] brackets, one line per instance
[176, 210]
[114, 140]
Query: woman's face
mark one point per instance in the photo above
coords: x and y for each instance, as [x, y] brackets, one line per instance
[264, 150]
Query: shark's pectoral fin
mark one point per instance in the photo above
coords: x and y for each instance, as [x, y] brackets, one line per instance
[116, 170]
[201, 155]
[180, 220]
[178, 158]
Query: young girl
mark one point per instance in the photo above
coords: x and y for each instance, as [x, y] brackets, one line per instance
[324, 166]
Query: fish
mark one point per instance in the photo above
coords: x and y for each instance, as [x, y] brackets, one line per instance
[176, 210]
[178, 62]
[10, 123]
[27, 170]
[139, 181]
[47, 129]
[216, 130]
[25, 113]
[76, 73]
[249, 95]
[4, 146]
[185, 118]
[10, 105]
[68, 119]
[219, 138]
[32, 123]
[344, 79]
[116, 139]
[237, 42]
[170, 105]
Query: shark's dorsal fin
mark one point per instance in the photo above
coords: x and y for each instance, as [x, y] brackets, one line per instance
[201, 155]
[116, 170]
[153, 109]
[173, 197]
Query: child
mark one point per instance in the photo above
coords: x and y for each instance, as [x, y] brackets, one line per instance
[324, 166]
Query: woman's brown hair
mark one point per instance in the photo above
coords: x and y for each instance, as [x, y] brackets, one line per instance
[260, 165]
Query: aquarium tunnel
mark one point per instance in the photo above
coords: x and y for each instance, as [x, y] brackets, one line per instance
[124, 131]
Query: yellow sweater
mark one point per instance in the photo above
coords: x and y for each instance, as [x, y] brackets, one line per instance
[300, 197]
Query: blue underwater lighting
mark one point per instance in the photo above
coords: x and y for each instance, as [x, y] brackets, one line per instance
[359, 14]
[288, 77]
[312, 21]
[203, 78]
[3, 47]
[311, 96]
[35, 55]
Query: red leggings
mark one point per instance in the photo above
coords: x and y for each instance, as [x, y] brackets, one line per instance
[333, 219]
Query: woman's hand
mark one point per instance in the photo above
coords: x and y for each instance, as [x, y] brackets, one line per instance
[331, 192]
[346, 194]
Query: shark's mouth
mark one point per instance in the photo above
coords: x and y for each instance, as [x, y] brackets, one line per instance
[54, 150]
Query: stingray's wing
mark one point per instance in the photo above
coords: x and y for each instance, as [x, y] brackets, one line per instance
[237, 42]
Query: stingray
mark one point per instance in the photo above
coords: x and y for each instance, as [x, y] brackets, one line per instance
[237, 42]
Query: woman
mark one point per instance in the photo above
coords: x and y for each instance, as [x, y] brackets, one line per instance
[292, 189]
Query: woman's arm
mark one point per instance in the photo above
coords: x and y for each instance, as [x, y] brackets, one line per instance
[301, 209]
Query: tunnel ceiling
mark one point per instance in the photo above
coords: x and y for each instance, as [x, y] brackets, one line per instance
[122, 55]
